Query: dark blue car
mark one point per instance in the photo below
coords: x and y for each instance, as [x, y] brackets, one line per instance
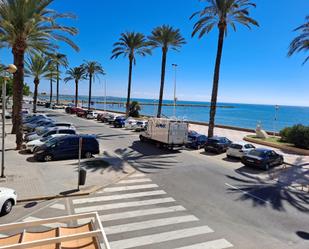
[67, 147]
[196, 140]
[119, 122]
[262, 158]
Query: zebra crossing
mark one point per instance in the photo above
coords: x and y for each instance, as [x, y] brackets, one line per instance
[136, 213]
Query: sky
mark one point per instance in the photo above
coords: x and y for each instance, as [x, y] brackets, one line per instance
[255, 67]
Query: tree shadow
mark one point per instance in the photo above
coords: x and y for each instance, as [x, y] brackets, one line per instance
[263, 193]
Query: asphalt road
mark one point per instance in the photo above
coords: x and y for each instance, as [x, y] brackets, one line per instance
[217, 194]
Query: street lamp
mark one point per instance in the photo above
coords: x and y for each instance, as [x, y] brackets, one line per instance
[276, 118]
[105, 95]
[9, 69]
[175, 79]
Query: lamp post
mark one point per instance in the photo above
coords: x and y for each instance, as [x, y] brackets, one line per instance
[105, 95]
[175, 79]
[10, 69]
[276, 118]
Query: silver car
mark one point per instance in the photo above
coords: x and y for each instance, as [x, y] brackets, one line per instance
[239, 149]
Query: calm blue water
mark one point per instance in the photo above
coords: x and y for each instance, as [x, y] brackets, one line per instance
[241, 115]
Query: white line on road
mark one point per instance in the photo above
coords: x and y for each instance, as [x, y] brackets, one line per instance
[123, 205]
[247, 193]
[51, 225]
[126, 188]
[118, 197]
[140, 213]
[134, 181]
[214, 244]
[136, 175]
[149, 224]
[160, 237]
[58, 206]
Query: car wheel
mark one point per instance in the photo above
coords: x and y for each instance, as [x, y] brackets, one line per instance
[88, 155]
[7, 207]
[48, 158]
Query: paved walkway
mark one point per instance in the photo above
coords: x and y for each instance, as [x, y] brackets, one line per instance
[38, 179]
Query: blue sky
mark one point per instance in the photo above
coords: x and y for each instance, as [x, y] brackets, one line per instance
[255, 68]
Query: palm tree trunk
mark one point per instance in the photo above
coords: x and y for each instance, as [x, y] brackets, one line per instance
[18, 83]
[76, 93]
[57, 100]
[164, 53]
[90, 89]
[215, 86]
[129, 87]
[35, 94]
[51, 89]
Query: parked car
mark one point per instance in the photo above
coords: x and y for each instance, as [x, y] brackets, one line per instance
[33, 145]
[55, 130]
[42, 129]
[140, 125]
[33, 118]
[129, 123]
[119, 122]
[239, 149]
[106, 116]
[74, 110]
[262, 158]
[81, 113]
[67, 147]
[196, 140]
[91, 115]
[29, 127]
[217, 144]
[59, 106]
[8, 199]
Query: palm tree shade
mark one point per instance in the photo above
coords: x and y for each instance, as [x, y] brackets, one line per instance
[221, 14]
[29, 25]
[165, 37]
[37, 67]
[76, 74]
[301, 42]
[92, 69]
[129, 45]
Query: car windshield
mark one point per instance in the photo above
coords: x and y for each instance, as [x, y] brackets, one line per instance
[258, 153]
[236, 146]
[51, 141]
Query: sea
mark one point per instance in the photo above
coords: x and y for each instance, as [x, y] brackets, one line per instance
[270, 117]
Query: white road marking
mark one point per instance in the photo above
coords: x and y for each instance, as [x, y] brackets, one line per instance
[160, 237]
[126, 188]
[118, 197]
[213, 244]
[149, 224]
[123, 205]
[58, 206]
[137, 175]
[139, 213]
[247, 193]
[134, 181]
[51, 225]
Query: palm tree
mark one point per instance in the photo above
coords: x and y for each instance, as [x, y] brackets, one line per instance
[59, 60]
[37, 67]
[129, 45]
[165, 37]
[92, 69]
[301, 42]
[29, 25]
[76, 74]
[51, 77]
[221, 13]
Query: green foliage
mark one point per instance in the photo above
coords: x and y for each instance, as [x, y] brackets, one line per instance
[301, 42]
[37, 66]
[75, 73]
[134, 109]
[9, 88]
[297, 135]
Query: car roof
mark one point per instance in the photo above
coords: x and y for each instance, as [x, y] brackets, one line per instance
[263, 149]
[240, 143]
[217, 138]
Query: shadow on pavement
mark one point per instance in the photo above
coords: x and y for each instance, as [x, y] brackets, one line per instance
[231, 159]
[303, 235]
[31, 204]
[263, 193]
[207, 153]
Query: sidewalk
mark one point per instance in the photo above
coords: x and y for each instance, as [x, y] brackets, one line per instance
[33, 179]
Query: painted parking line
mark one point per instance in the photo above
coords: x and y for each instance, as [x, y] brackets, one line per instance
[213, 244]
[118, 197]
[160, 237]
[51, 225]
[136, 175]
[149, 224]
[126, 188]
[123, 205]
[58, 206]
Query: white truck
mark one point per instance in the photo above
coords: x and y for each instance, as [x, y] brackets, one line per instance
[166, 133]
